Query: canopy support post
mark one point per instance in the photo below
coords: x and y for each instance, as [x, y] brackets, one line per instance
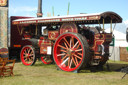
[103, 25]
[111, 27]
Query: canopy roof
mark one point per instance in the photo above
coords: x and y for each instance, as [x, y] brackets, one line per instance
[94, 18]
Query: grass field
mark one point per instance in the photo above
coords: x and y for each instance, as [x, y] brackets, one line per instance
[41, 74]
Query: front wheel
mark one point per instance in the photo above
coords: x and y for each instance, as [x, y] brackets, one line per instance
[27, 55]
[71, 52]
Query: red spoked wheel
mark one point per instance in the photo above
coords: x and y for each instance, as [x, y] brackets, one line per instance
[71, 52]
[46, 59]
[27, 55]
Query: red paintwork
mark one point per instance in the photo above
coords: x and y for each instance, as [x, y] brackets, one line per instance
[16, 38]
[97, 44]
[68, 27]
[26, 57]
[43, 44]
[52, 35]
[58, 59]
[101, 39]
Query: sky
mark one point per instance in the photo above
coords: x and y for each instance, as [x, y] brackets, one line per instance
[29, 8]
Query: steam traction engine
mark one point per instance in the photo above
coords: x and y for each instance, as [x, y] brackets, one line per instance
[72, 42]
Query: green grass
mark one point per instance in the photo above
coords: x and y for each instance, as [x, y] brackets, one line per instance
[41, 74]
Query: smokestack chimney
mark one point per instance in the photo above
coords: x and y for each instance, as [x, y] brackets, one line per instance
[39, 12]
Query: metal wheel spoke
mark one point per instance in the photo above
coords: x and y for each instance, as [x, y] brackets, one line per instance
[63, 51]
[29, 50]
[26, 59]
[68, 61]
[70, 64]
[74, 61]
[65, 45]
[61, 54]
[48, 59]
[64, 57]
[66, 41]
[45, 59]
[31, 54]
[25, 52]
[75, 44]
[62, 46]
[25, 56]
[70, 42]
[30, 60]
[65, 61]
[78, 50]
[77, 56]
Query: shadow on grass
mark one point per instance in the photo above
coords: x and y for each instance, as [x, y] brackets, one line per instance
[117, 66]
[110, 67]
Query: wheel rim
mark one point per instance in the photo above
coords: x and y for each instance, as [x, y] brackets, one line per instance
[68, 52]
[46, 59]
[27, 56]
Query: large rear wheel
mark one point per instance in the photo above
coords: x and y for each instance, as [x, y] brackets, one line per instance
[27, 55]
[71, 52]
